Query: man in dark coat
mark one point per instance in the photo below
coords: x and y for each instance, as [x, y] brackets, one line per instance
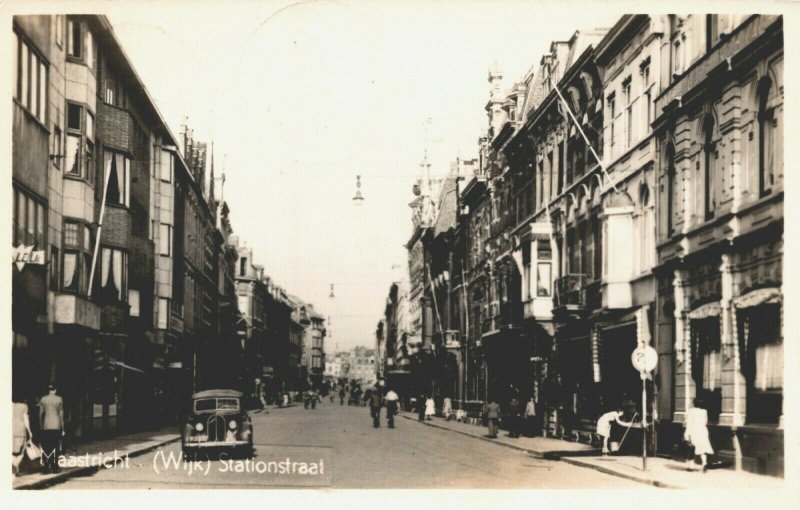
[375, 402]
[492, 412]
[514, 417]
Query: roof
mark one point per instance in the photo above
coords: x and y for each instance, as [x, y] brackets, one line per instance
[217, 393]
[448, 205]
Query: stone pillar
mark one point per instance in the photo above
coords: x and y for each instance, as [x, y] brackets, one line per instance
[732, 381]
[733, 387]
[684, 385]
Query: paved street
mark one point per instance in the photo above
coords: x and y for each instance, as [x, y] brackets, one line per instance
[410, 456]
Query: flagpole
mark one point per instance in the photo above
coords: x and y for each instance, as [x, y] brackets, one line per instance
[585, 138]
[99, 229]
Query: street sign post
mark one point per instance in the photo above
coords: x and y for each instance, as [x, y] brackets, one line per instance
[644, 359]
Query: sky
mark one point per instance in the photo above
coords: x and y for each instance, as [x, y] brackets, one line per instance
[301, 97]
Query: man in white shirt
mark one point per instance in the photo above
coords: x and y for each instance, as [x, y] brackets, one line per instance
[391, 399]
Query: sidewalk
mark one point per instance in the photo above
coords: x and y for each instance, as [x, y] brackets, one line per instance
[126, 446]
[660, 472]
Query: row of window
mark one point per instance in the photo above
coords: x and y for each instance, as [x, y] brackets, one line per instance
[761, 356]
[30, 69]
[631, 131]
[714, 174]
[30, 78]
[30, 220]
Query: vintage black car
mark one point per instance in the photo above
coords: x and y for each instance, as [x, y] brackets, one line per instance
[217, 421]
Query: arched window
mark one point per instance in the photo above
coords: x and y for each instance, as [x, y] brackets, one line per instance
[766, 175]
[709, 167]
[672, 199]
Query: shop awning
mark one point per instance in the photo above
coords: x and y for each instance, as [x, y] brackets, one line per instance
[767, 296]
[705, 311]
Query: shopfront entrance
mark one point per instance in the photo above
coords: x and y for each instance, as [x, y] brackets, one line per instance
[621, 383]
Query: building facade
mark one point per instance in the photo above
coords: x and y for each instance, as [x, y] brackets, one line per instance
[628, 193]
[93, 202]
[719, 132]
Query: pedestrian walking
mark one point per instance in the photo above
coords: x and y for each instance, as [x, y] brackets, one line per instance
[430, 408]
[604, 425]
[21, 432]
[492, 413]
[392, 400]
[514, 417]
[421, 407]
[341, 396]
[51, 419]
[447, 408]
[696, 432]
[531, 420]
[375, 408]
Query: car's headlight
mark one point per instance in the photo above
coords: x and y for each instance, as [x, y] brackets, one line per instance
[198, 427]
[232, 425]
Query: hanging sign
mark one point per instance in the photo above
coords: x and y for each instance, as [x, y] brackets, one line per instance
[22, 255]
[644, 358]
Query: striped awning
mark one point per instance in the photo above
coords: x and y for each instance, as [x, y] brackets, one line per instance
[705, 311]
[770, 295]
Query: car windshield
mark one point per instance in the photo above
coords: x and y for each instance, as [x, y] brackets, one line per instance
[227, 404]
[216, 404]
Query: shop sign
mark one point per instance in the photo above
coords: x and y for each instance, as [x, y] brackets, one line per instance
[644, 358]
[22, 255]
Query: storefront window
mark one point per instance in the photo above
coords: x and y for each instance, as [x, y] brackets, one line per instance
[707, 364]
[762, 362]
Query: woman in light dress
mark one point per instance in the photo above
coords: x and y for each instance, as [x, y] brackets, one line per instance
[447, 408]
[604, 426]
[430, 408]
[697, 432]
[21, 431]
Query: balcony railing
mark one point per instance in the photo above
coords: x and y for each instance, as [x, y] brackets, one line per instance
[569, 290]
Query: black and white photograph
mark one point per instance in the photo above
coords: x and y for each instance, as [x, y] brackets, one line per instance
[331, 245]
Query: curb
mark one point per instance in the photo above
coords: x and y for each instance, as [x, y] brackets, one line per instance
[535, 453]
[556, 457]
[84, 471]
[633, 478]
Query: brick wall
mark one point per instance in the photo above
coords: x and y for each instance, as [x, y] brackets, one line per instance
[117, 227]
[114, 127]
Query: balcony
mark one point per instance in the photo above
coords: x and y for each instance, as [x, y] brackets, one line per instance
[77, 311]
[569, 291]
